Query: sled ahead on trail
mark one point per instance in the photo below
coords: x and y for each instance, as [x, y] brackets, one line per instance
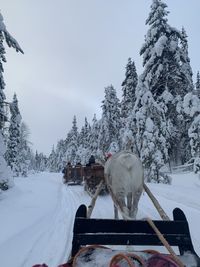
[90, 176]
[91, 235]
[73, 175]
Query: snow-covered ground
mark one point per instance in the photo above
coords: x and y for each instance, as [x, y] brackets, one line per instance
[37, 215]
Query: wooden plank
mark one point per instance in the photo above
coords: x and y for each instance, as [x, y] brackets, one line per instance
[121, 232]
[134, 239]
[83, 225]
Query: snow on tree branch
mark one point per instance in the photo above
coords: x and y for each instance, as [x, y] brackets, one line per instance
[11, 42]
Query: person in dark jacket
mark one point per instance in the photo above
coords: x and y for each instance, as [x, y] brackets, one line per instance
[65, 168]
[91, 161]
[66, 171]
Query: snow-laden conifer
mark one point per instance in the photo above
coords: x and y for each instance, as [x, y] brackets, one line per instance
[11, 42]
[72, 143]
[24, 157]
[36, 162]
[84, 152]
[13, 145]
[164, 55]
[5, 173]
[128, 89]
[168, 76]
[191, 107]
[198, 81]
[95, 127]
[197, 84]
[185, 60]
[52, 161]
[127, 104]
[110, 123]
[149, 128]
[60, 155]
[42, 163]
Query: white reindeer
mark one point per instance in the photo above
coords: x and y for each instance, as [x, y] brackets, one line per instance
[125, 177]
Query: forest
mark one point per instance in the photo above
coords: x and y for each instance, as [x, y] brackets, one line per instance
[157, 118]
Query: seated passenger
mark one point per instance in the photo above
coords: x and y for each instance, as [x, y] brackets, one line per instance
[91, 161]
[66, 170]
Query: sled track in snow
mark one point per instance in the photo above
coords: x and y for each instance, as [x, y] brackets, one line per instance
[181, 201]
[74, 197]
[54, 251]
[47, 234]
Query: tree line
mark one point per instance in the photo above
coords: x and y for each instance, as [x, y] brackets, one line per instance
[158, 116]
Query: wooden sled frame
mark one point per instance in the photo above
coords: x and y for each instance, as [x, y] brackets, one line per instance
[138, 232]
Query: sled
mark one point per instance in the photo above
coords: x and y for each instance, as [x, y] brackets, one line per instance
[93, 175]
[73, 175]
[101, 232]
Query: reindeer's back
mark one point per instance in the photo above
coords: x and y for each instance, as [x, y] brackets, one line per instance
[124, 172]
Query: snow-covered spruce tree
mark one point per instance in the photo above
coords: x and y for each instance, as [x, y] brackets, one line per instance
[93, 144]
[197, 84]
[36, 165]
[2, 84]
[185, 63]
[86, 129]
[72, 143]
[6, 179]
[31, 159]
[183, 120]
[52, 162]
[167, 73]
[42, 163]
[110, 122]
[149, 128]
[163, 55]
[191, 107]
[60, 155]
[13, 145]
[6, 176]
[83, 153]
[11, 42]
[128, 89]
[127, 104]
[24, 156]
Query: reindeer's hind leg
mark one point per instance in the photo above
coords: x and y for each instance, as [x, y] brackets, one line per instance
[136, 198]
[116, 213]
[122, 204]
[129, 202]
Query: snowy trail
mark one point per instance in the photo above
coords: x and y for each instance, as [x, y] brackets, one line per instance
[36, 239]
[39, 214]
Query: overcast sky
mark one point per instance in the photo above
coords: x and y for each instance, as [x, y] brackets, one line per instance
[73, 49]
